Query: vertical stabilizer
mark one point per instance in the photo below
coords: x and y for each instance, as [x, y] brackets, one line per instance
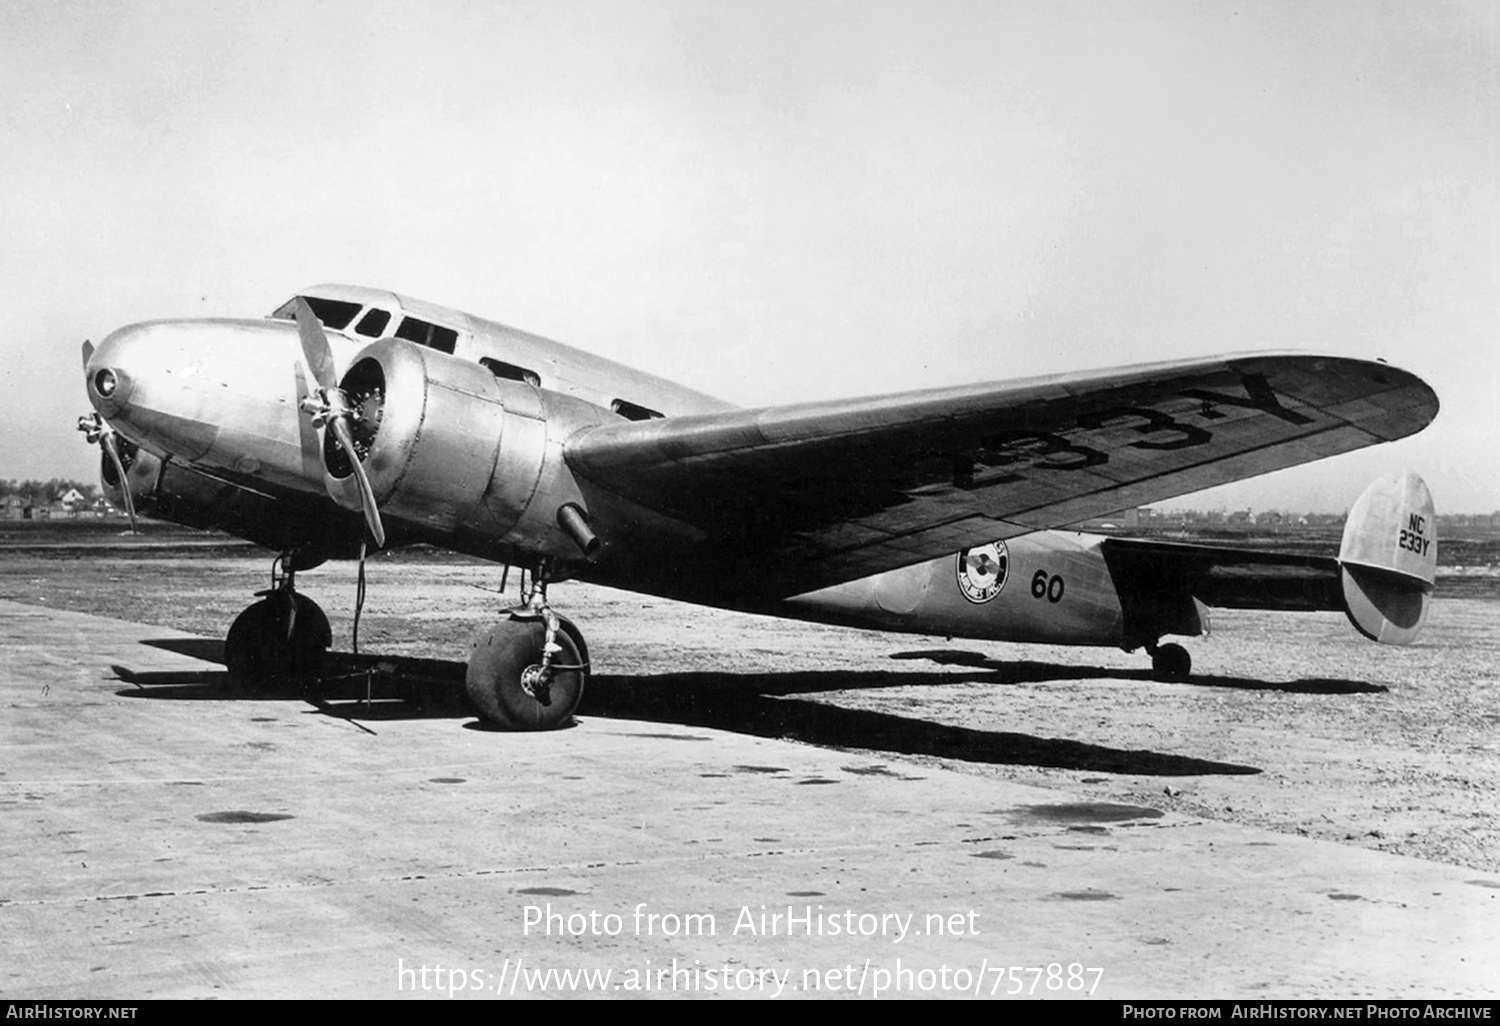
[1389, 559]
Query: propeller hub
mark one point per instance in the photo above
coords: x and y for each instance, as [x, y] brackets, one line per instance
[331, 410]
[360, 401]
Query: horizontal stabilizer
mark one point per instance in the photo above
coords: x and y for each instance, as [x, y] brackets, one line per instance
[1389, 559]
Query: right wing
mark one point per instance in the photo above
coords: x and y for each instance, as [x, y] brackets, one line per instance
[795, 498]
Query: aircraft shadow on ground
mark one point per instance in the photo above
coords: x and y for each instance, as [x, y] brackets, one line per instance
[762, 705]
[354, 686]
[1036, 673]
[371, 688]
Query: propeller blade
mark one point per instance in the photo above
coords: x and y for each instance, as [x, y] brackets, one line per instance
[340, 428]
[88, 353]
[315, 348]
[318, 355]
[107, 443]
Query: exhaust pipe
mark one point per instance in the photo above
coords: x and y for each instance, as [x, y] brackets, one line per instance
[574, 521]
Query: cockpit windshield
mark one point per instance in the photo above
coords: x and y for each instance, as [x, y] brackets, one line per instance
[371, 321]
[334, 313]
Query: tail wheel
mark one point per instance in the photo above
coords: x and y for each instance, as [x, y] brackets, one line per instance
[506, 682]
[1171, 662]
[282, 637]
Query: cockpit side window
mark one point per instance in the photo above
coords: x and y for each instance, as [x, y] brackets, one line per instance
[434, 336]
[373, 323]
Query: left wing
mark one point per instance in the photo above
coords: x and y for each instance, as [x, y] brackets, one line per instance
[795, 498]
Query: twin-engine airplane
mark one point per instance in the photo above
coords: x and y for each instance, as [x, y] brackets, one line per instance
[353, 416]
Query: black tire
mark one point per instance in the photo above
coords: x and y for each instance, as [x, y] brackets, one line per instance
[1171, 662]
[258, 652]
[494, 680]
[576, 636]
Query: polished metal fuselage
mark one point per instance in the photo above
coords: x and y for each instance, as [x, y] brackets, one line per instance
[475, 462]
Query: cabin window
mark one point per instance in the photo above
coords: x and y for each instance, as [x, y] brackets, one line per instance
[633, 411]
[334, 313]
[374, 322]
[510, 372]
[433, 336]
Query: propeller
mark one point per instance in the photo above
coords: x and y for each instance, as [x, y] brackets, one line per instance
[97, 432]
[329, 407]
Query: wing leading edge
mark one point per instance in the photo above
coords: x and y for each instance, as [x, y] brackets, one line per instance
[799, 497]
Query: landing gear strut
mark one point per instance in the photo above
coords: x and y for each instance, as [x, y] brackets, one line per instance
[1170, 662]
[528, 671]
[282, 637]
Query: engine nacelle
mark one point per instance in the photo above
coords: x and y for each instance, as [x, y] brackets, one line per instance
[456, 452]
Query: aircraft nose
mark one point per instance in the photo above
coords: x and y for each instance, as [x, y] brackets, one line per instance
[109, 375]
[217, 393]
[141, 380]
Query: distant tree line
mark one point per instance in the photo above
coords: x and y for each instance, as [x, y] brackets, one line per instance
[1251, 517]
[46, 493]
[1451, 520]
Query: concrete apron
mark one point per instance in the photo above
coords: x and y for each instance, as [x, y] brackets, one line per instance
[162, 839]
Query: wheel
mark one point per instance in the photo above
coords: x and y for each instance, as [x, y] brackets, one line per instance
[261, 650]
[1171, 662]
[502, 678]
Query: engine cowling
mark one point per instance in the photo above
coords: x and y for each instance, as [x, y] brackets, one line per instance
[451, 449]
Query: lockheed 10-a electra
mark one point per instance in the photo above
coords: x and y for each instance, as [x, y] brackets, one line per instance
[353, 418]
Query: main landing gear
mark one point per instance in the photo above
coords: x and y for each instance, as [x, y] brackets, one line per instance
[525, 673]
[1170, 662]
[281, 638]
[528, 671]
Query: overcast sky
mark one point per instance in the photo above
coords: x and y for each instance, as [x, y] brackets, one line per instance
[777, 201]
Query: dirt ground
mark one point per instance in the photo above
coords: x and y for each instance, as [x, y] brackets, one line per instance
[1292, 722]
